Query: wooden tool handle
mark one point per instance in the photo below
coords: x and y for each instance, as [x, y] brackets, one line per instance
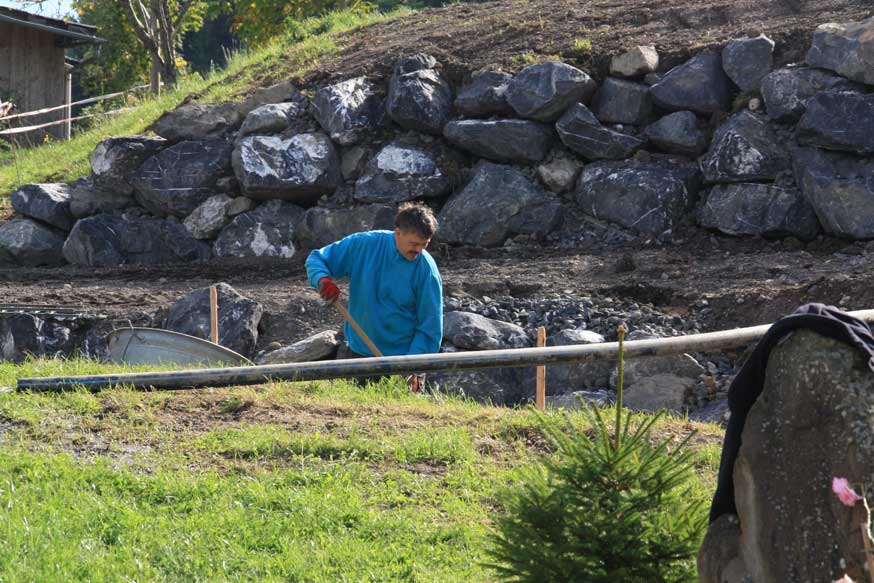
[346, 316]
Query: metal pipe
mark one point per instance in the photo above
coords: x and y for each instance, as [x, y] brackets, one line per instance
[388, 365]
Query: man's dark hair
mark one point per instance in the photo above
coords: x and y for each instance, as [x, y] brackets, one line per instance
[415, 216]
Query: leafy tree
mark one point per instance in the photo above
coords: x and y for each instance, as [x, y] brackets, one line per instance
[119, 63]
[158, 25]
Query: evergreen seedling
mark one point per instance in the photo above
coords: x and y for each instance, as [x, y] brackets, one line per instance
[607, 506]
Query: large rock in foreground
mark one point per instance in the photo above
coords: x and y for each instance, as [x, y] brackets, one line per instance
[399, 173]
[840, 189]
[109, 240]
[847, 49]
[502, 140]
[267, 231]
[649, 197]
[27, 243]
[238, 318]
[177, 180]
[322, 226]
[759, 209]
[839, 121]
[499, 202]
[542, 92]
[299, 169]
[699, 85]
[49, 203]
[810, 424]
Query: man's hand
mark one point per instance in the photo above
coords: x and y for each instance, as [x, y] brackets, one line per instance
[329, 290]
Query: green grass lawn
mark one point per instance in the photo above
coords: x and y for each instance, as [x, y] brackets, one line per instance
[320, 481]
[285, 58]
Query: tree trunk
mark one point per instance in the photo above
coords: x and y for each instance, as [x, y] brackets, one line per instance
[155, 76]
[169, 72]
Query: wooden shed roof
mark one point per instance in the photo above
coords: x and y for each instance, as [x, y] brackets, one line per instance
[68, 34]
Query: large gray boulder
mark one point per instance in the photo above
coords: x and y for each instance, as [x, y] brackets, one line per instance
[87, 198]
[24, 336]
[114, 160]
[568, 378]
[499, 202]
[28, 243]
[544, 91]
[471, 331]
[419, 98]
[502, 140]
[299, 169]
[272, 118]
[638, 61]
[267, 231]
[178, 179]
[745, 149]
[400, 172]
[759, 209]
[619, 101]
[747, 60]
[787, 90]
[809, 425]
[699, 85]
[840, 189]
[196, 122]
[319, 346]
[485, 95]
[322, 226]
[49, 203]
[348, 111]
[210, 217]
[845, 48]
[678, 133]
[109, 240]
[581, 131]
[238, 317]
[650, 197]
[838, 121]
[492, 386]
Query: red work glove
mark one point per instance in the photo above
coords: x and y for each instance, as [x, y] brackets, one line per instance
[329, 290]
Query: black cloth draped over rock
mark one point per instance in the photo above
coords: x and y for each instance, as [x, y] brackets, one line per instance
[747, 385]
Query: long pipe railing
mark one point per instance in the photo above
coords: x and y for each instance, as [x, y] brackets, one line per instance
[388, 365]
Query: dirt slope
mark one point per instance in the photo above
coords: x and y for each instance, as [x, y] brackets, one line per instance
[586, 33]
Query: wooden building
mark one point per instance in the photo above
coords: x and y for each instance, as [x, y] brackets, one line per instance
[34, 72]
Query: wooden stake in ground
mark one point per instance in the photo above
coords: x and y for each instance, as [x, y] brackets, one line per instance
[540, 394]
[213, 315]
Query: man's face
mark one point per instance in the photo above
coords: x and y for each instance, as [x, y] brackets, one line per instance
[410, 243]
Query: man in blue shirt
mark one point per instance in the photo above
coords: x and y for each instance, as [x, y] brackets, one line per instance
[395, 290]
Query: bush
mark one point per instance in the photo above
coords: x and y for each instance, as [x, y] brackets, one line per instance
[601, 510]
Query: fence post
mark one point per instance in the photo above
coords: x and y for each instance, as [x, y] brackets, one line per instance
[540, 394]
[68, 111]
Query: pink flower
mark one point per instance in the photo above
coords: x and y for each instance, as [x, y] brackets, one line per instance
[845, 578]
[847, 496]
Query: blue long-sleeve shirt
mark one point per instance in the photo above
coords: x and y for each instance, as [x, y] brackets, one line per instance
[397, 302]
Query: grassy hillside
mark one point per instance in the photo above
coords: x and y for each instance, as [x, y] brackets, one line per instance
[287, 57]
[282, 482]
